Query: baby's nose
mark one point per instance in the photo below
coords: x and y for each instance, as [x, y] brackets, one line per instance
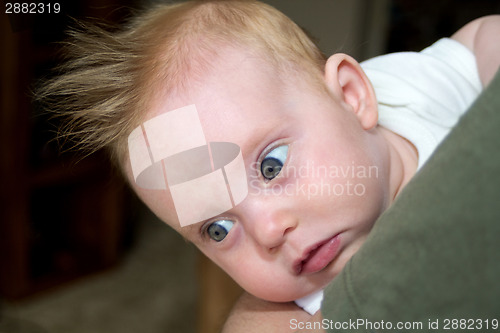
[270, 229]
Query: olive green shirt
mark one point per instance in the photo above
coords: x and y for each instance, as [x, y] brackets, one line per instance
[432, 260]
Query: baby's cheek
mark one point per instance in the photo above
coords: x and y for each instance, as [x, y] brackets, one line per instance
[268, 285]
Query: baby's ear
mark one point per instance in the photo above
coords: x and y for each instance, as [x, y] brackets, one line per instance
[346, 79]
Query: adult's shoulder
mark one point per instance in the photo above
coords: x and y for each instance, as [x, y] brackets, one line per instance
[434, 254]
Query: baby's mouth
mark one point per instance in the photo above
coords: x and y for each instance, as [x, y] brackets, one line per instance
[318, 256]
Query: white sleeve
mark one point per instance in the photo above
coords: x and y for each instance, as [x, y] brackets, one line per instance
[311, 303]
[421, 95]
[445, 73]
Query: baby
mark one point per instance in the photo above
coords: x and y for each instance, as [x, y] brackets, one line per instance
[326, 145]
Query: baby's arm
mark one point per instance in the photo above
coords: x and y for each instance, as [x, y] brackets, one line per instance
[251, 314]
[482, 36]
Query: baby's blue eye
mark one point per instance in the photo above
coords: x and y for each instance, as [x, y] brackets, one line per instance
[273, 162]
[219, 229]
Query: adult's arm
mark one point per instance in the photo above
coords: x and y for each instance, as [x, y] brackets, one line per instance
[433, 258]
[252, 314]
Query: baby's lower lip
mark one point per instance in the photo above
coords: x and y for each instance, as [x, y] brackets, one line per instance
[322, 256]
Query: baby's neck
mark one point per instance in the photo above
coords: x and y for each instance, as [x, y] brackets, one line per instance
[403, 161]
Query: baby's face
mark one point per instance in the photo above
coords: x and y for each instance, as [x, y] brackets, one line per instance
[315, 180]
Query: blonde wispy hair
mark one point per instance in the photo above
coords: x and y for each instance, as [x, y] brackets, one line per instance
[110, 76]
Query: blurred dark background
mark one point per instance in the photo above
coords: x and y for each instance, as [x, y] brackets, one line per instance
[78, 252]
